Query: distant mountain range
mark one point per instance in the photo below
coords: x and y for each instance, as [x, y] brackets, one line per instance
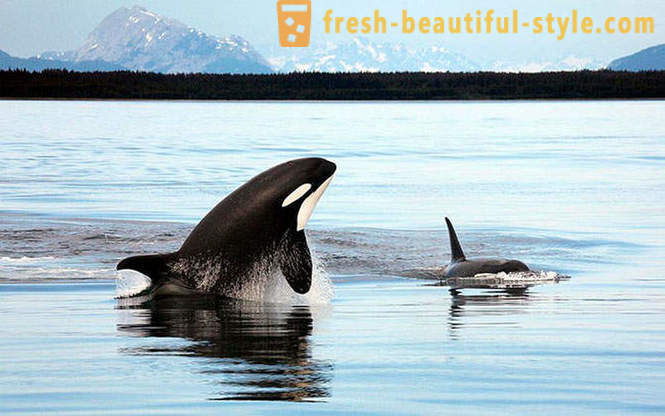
[37, 64]
[362, 55]
[568, 63]
[652, 58]
[138, 39]
[366, 56]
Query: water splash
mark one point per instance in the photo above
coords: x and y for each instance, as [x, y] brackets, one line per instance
[502, 280]
[321, 292]
[264, 284]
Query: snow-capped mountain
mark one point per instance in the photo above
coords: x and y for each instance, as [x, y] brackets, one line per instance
[361, 55]
[138, 39]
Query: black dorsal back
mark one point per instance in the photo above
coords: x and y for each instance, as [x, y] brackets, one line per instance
[455, 248]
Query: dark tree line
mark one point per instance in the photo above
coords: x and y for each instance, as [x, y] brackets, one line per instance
[338, 86]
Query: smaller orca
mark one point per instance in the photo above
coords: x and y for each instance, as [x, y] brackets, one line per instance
[461, 267]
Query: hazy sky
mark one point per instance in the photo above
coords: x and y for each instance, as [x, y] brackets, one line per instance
[28, 27]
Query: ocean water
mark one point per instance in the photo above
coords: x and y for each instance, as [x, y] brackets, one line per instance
[576, 188]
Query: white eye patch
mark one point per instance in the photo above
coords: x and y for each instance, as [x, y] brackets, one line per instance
[308, 205]
[297, 194]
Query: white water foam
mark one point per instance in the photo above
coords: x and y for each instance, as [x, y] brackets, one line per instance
[42, 272]
[502, 280]
[321, 292]
[24, 260]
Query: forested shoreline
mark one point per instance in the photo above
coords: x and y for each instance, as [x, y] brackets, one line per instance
[63, 84]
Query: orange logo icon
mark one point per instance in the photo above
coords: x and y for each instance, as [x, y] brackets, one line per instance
[294, 18]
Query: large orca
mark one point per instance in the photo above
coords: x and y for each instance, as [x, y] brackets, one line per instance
[255, 230]
[460, 266]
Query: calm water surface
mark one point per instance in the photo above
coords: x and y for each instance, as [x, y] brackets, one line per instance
[574, 187]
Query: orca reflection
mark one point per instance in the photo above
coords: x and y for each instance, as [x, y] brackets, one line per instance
[486, 310]
[258, 351]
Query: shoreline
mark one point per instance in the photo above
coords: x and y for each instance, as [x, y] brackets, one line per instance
[341, 101]
[310, 86]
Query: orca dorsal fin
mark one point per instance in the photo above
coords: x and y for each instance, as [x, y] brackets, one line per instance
[455, 247]
[154, 265]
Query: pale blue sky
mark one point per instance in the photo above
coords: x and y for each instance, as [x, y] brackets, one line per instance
[28, 27]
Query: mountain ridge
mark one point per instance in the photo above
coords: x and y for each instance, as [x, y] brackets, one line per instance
[37, 64]
[360, 55]
[649, 59]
